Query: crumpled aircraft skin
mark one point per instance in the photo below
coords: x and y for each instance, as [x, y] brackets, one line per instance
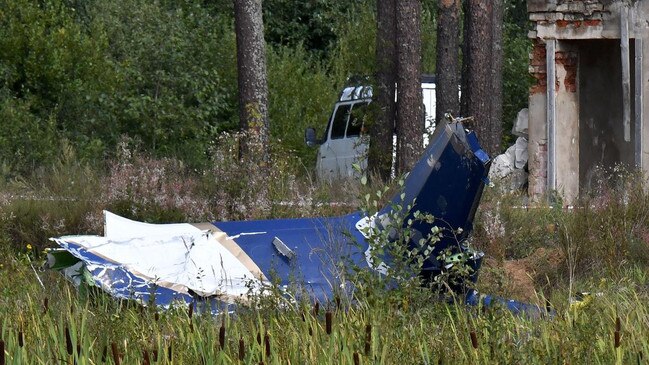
[224, 262]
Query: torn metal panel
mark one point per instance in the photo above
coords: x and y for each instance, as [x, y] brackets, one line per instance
[225, 262]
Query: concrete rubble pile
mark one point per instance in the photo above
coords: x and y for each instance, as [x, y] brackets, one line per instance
[509, 170]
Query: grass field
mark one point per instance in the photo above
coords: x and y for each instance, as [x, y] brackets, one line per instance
[542, 255]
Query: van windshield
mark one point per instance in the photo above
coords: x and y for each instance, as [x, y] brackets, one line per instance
[340, 121]
[357, 119]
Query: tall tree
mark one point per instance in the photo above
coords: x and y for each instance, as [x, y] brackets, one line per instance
[496, 107]
[253, 87]
[380, 152]
[410, 116]
[448, 32]
[482, 71]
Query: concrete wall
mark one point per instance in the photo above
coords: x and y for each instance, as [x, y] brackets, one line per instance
[641, 31]
[587, 91]
[567, 121]
[537, 143]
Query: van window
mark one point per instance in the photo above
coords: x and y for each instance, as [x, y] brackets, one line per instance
[356, 119]
[340, 121]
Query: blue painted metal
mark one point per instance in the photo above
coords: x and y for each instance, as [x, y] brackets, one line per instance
[474, 298]
[447, 183]
[121, 283]
[319, 244]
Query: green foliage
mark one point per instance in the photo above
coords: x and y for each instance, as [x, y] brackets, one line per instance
[428, 40]
[176, 78]
[160, 73]
[516, 78]
[164, 73]
[397, 252]
[354, 54]
[45, 70]
[307, 24]
[26, 140]
[390, 237]
[603, 234]
[303, 99]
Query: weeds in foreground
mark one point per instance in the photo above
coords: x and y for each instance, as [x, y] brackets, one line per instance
[601, 245]
[55, 324]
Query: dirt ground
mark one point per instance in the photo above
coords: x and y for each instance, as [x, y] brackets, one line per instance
[518, 279]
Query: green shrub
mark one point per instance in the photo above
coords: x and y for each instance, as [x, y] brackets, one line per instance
[301, 95]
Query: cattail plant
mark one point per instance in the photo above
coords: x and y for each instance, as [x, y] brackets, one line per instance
[618, 328]
[474, 340]
[68, 341]
[368, 339]
[190, 313]
[357, 358]
[21, 338]
[45, 305]
[222, 336]
[242, 349]
[316, 309]
[145, 359]
[328, 319]
[113, 347]
[267, 344]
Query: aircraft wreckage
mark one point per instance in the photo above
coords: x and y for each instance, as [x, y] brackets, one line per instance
[222, 263]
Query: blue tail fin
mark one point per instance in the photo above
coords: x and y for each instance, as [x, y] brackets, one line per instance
[447, 183]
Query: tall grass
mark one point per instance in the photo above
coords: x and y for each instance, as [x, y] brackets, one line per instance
[415, 329]
[598, 246]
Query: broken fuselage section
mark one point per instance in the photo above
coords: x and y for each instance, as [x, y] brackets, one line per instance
[226, 262]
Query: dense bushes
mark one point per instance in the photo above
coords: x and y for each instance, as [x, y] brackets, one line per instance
[164, 73]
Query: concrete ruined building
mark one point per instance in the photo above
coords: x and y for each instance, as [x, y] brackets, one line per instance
[596, 54]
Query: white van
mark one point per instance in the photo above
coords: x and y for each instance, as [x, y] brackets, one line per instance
[345, 141]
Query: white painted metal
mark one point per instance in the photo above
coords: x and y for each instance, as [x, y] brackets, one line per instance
[180, 257]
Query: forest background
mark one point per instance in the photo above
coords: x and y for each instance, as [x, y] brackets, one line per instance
[83, 76]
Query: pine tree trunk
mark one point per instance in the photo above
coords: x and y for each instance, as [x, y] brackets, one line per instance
[448, 32]
[496, 109]
[410, 115]
[253, 88]
[479, 86]
[380, 152]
